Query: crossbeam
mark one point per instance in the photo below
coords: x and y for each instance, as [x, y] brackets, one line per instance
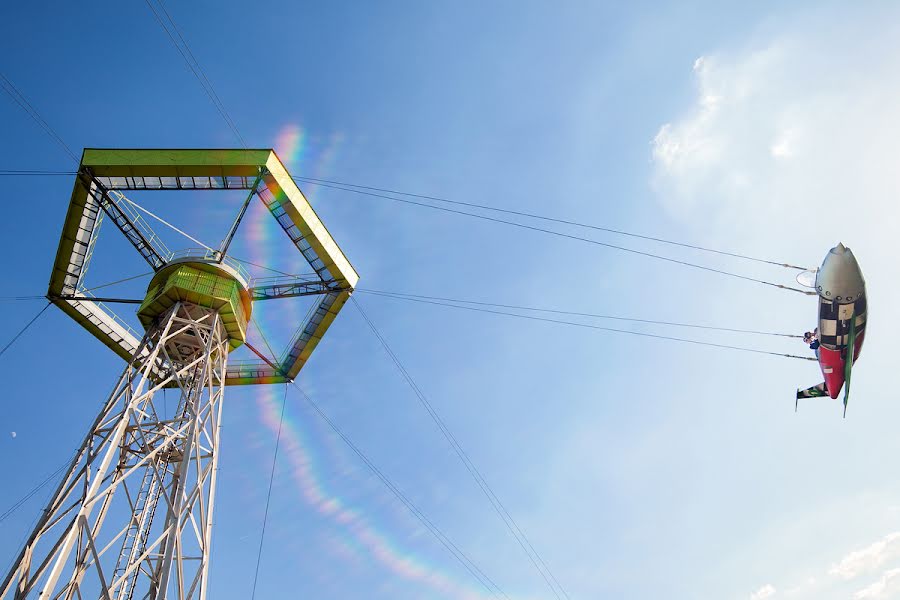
[291, 288]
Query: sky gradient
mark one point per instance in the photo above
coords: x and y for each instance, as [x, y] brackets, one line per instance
[639, 468]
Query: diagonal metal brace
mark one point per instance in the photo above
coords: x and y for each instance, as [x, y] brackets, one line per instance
[125, 224]
[237, 221]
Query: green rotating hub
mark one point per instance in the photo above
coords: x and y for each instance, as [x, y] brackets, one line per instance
[209, 285]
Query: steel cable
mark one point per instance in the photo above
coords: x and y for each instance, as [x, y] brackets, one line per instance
[317, 181]
[482, 483]
[24, 329]
[611, 329]
[403, 296]
[569, 236]
[262, 535]
[448, 544]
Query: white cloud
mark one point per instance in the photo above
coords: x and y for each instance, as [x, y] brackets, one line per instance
[796, 129]
[867, 559]
[13, 434]
[766, 591]
[886, 587]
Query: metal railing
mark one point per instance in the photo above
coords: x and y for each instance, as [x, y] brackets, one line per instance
[212, 255]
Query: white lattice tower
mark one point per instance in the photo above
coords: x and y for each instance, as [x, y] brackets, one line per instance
[132, 517]
[153, 471]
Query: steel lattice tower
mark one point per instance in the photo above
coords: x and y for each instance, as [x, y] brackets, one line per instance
[132, 517]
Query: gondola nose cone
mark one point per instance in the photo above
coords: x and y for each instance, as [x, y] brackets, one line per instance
[840, 279]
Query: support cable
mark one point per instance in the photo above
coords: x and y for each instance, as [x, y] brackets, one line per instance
[24, 329]
[116, 282]
[209, 84]
[498, 506]
[37, 517]
[8, 512]
[164, 222]
[194, 66]
[611, 329]
[317, 181]
[27, 173]
[262, 534]
[457, 553]
[402, 296]
[20, 99]
[571, 237]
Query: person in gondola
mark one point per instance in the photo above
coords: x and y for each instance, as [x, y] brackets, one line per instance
[812, 338]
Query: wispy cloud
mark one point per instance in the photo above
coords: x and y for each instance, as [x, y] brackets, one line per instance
[772, 131]
[766, 591]
[886, 587]
[867, 559]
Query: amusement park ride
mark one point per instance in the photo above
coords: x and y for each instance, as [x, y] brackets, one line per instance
[132, 517]
[841, 291]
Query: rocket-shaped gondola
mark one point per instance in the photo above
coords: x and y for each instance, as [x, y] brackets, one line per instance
[842, 321]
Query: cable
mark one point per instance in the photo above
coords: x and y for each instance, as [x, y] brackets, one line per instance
[612, 329]
[569, 236]
[5, 298]
[402, 296]
[498, 506]
[207, 86]
[163, 221]
[35, 318]
[6, 514]
[262, 534]
[247, 262]
[97, 287]
[20, 99]
[263, 336]
[316, 181]
[458, 554]
[34, 521]
[16, 173]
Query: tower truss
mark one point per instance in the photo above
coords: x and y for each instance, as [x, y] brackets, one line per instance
[132, 518]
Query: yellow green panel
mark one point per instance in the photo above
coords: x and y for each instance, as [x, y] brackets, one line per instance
[200, 284]
[282, 186]
[173, 163]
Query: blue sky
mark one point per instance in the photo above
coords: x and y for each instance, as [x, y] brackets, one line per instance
[638, 468]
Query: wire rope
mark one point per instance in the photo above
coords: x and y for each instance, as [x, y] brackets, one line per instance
[19, 98]
[262, 534]
[8, 512]
[210, 92]
[403, 296]
[31, 173]
[317, 181]
[571, 237]
[476, 475]
[610, 329]
[215, 96]
[24, 329]
[164, 222]
[118, 281]
[435, 531]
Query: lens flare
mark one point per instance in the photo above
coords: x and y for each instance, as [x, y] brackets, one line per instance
[375, 543]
